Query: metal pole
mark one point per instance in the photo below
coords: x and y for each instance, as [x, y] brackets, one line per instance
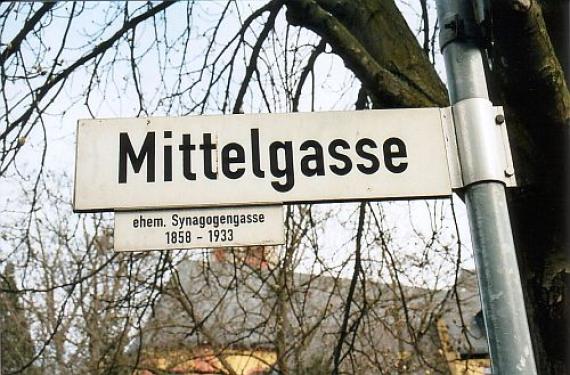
[502, 301]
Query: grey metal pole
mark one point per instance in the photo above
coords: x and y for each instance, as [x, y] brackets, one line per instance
[504, 313]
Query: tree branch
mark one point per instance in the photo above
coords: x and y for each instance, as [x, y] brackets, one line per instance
[337, 354]
[413, 84]
[98, 50]
[276, 6]
[320, 48]
[14, 44]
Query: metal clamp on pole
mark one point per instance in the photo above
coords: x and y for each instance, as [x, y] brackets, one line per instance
[455, 28]
[482, 142]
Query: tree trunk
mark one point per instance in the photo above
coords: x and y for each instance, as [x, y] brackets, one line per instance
[532, 87]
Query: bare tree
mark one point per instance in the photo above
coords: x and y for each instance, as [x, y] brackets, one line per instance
[201, 57]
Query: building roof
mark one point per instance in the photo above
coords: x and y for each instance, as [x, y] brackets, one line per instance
[238, 306]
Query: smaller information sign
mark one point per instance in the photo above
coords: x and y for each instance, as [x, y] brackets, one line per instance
[199, 228]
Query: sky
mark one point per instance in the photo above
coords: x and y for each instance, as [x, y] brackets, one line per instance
[406, 219]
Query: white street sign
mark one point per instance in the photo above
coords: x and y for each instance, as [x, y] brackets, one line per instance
[199, 228]
[202, 161]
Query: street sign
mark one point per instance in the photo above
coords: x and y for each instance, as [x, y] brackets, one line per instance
[203, 161]
[199, 228]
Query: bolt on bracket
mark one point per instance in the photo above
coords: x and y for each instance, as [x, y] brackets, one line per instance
[477, 142]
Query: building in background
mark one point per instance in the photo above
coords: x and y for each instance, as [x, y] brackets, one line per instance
[235, 313]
